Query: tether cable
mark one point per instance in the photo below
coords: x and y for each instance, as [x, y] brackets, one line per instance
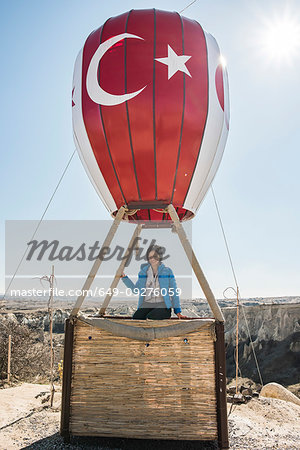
[188, 6]
[38, 225]
[236, 283]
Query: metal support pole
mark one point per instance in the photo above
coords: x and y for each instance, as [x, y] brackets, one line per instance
[128, 253]
[195, 265]
[98, 261]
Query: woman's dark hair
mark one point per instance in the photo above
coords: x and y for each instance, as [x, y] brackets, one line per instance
[157, 249]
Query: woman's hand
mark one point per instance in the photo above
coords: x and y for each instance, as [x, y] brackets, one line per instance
[123, 275]
[180, 316]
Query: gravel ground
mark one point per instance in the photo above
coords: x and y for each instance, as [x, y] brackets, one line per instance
[28, 423]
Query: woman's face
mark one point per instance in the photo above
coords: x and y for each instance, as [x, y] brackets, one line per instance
[153, 259]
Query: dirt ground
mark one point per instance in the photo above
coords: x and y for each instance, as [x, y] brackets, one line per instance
[27, 421]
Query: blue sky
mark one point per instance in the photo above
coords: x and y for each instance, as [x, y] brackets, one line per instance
[257, 185]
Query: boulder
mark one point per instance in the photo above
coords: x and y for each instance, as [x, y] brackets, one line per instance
[275, 390]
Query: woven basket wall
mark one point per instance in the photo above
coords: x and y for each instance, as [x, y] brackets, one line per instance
[122, 387]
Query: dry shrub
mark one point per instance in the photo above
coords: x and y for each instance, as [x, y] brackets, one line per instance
[29, 351]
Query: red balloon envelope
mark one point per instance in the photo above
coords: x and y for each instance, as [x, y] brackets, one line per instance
[150, 112]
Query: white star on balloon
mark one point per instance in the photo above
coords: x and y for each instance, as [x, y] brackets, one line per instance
[175, 63]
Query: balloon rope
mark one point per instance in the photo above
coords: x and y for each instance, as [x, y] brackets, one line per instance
[188, 6]
[38, 225]
[237, 287]
[162, 211]
[131, 212]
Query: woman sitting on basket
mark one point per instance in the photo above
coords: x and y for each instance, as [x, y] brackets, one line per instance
[157, 288]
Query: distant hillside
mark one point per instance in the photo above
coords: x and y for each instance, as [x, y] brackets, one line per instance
[275, 333]
[274, 325]
[23, 303]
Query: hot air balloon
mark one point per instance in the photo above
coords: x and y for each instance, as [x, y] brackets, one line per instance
[150, 112]
[150, 119]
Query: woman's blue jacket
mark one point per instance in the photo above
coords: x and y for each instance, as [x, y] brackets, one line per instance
[167, 285]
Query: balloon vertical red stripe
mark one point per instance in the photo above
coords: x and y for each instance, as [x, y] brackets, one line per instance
[168, 101]
[196, 107]
[139, 73]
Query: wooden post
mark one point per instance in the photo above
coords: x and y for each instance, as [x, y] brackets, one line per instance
[8, 358]
[98, 261]
[195, 265]
[220, 363]
[67, 380]
[52, 389]
[121, 268]
[237, 342]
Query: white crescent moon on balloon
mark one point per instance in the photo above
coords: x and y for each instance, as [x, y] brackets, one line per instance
[95, 91]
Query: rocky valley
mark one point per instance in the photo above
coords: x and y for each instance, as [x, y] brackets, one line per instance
[268, 327]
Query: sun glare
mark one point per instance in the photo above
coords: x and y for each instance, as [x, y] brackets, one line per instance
[280, 38]
[223, 61]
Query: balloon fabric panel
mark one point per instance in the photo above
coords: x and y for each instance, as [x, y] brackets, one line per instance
[168, 103]
[139, 72]
[93, 122]
[196, 108]
[114, 117]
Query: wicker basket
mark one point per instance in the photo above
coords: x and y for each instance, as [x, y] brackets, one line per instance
[160, 383]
